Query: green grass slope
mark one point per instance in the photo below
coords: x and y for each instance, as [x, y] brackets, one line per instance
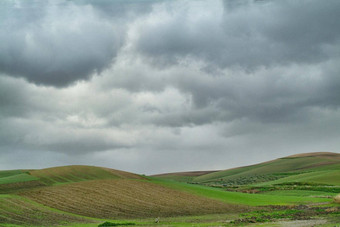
[183, 176]
[238, 197]
[321, 167]
[15, 178]
[330, 177]
[7, 173]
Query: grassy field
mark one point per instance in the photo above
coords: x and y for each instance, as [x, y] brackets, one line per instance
[327, 177]
[319, 168]
[183, 176]
[304, 193]
[89, 196]
[20, 177]
[7, 173]
[238, 197]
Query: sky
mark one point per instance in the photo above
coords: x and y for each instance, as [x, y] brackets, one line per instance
[154, 86]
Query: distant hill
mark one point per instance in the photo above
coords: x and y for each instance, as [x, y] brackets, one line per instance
[76, 173]
[319, 168]
[183, 176]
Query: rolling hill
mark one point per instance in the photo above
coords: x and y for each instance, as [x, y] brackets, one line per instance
[317, 168]
[183, 176]
[82, 194]
[87, 195]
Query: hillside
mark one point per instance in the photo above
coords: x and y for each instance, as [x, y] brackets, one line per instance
[65, 174]
[77, 194]
[318, 168]
[183, 176]
[11, 180]
[125, 199]
[89, 195]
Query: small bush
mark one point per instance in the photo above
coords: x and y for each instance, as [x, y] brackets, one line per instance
[337, 199]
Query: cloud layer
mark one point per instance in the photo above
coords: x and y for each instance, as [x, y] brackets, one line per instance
[167, 86]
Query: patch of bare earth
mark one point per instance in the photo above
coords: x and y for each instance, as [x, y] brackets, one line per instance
[301, 223]
[124, 198]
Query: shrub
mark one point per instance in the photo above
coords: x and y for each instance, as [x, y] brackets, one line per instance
[337, 199]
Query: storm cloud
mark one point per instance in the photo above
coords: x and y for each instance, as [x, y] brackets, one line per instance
[157, 86]
[56, 44]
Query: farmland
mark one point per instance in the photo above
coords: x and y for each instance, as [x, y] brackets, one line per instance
[302, 187]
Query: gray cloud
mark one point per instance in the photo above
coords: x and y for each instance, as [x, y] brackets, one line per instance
[167, 86]
[56, 44]
[250, 35]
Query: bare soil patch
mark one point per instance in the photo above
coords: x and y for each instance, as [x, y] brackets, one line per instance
[123, 198]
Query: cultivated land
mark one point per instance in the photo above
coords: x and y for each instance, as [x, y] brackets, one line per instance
[300, 189]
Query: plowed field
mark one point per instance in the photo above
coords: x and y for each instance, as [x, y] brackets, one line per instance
[123, 198]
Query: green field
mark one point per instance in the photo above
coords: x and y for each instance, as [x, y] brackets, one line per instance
[289, 189]
[240, 198]
[21, 177]
[323, 168]
[327, 177]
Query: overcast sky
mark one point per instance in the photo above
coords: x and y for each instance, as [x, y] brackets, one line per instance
[157, 86]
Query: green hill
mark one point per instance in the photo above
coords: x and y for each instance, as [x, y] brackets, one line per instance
[317, 168]
[88, 195]
[183, 176]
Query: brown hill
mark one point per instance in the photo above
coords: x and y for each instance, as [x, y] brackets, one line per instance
[123, 198]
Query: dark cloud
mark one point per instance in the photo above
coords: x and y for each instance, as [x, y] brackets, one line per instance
[250, 34]
[156, 86]
[56, 44]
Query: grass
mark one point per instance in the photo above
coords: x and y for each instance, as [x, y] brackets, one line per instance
[201, 220]
[322, 177]
[15, 210]
[15, 178]
[275, 214]
[279, 168]
[7, 173]
[304, 193]
[237, 197]
[89, 196]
